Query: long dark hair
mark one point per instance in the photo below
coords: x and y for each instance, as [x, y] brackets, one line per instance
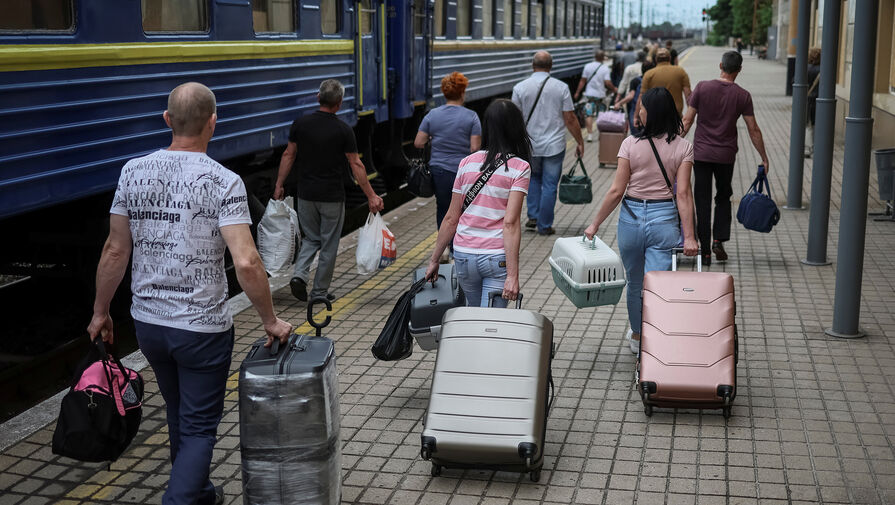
[662, 118]
[503, 132]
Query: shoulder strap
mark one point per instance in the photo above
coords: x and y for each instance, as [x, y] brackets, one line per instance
[592, 76]
[661, 166]
[486, 174]
[540, 90]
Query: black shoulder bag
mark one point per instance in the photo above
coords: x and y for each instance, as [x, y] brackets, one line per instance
[537, 98]
[419, 176]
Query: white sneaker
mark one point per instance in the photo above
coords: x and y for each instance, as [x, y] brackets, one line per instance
[590, 137]
[633, 344]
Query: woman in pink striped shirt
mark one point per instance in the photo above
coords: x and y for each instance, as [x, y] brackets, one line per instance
[486, 231]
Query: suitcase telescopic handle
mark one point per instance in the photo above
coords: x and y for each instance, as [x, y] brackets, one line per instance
[494, 294]
[679, 250]
[329, 308]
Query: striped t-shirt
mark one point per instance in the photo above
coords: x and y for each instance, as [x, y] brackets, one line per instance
[480, 230]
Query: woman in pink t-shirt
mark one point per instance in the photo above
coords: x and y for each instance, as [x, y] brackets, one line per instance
[650, 224]
[486, 234]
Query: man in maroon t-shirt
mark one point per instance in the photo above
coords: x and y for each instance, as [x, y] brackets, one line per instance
[715, 146]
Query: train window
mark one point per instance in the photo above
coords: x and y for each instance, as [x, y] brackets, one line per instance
[37, 15]
[537, 12]
[175, 15]
[560, 17]
[577, 18]
[487, 18]
[464, 16]
[508, 18]
[273, 16]
[367, 13]
[570, 18]
[419, 16]
[548, 18]
[330, 16]
[523, 32]
[439, 18]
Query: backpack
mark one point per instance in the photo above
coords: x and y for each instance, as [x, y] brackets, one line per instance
[757, 211]
[100, 414]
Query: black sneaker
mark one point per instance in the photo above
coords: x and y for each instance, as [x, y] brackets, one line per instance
[707, 259]
[531, 223]
[718, 249]
[299, 289]
[547, 231]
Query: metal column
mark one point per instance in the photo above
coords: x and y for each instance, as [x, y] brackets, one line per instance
[824, 129]
[799, 110]
[855, 175]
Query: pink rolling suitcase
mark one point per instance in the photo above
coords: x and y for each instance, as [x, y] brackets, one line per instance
[688, 347]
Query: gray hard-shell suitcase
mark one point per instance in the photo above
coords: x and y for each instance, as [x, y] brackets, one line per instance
[490, 391]
[430, 304]
[289, 421]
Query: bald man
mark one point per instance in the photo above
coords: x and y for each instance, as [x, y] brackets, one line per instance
[546, 105]
[177, 210]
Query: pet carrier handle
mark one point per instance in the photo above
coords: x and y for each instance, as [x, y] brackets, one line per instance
[329, 308]
[675, 251]
[593, 241]
[494, 294]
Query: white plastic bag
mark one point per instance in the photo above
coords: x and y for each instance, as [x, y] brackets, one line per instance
[376, 248]
[277, 232]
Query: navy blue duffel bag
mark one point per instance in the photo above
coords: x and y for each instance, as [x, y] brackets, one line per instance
[757, 210]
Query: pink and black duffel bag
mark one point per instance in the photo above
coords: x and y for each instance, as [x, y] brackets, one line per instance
[101, 413]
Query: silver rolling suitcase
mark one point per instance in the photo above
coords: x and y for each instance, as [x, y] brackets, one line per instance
[289, 422]
[490, 392]
[430, 304]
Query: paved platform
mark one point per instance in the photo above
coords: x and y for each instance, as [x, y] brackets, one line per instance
[813, 421]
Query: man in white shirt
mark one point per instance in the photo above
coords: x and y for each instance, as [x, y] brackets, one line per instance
[595, 82]
[546, 105]
[631, 71]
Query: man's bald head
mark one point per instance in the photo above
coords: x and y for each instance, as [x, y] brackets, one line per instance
[190, 106]
[542, 61]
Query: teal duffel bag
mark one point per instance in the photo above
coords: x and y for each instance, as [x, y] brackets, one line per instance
[576, 189]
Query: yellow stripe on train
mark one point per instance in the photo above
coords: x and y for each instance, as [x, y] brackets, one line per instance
[20, 57]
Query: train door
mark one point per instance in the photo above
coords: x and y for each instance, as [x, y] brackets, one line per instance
[423, 25]
[371, 65]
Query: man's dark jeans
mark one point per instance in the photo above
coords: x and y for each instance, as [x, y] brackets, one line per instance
[702, 194]
[191, 369]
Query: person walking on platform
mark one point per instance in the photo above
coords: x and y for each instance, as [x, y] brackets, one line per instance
[632, 97]
[631, 71]
[455, 133]
[672, 52]
[668, 76]
[814, 79]
[327, 149]
[484, 219]
[650, 165]
[547, 107]
[177, 210]
[719, 103]
[595, 82]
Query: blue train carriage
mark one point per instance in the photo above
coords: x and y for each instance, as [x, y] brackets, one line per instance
[83, 83]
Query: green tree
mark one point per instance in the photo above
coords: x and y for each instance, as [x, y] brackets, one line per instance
[722, 18]
[733, 18]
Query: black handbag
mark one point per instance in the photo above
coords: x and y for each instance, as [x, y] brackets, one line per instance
[757, 211]
[576, 189]
[419, 177]
[101, 413]
[395, 341]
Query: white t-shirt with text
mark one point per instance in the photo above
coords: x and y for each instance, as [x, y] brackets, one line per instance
[176, 202]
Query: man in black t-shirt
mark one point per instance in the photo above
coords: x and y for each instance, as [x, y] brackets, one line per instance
[328, 149]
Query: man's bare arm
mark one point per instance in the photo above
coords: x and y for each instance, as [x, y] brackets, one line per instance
[111, 269]
[757, 140]
[360, 175]
[286, 162]
[575, 129]
[689, 117]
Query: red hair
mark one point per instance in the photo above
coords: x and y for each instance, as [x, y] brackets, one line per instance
[453, 85]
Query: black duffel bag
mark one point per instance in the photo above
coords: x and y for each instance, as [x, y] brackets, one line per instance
[419, 176]
[395, 341]
[101, 412]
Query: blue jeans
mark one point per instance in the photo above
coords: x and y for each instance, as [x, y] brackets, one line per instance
[191, 369]
[545, 172]
[443, 180]
[479, 275]
[645, 245]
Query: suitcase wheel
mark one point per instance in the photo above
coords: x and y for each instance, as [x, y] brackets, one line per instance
[725, 410]
[436, 470]
[648, 410]
[535, 475]
[425, 453]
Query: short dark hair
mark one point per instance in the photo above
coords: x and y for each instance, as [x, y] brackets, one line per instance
[662, 118]
[641, 56]
[731, 62]
[646, 66]
[503, 131]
